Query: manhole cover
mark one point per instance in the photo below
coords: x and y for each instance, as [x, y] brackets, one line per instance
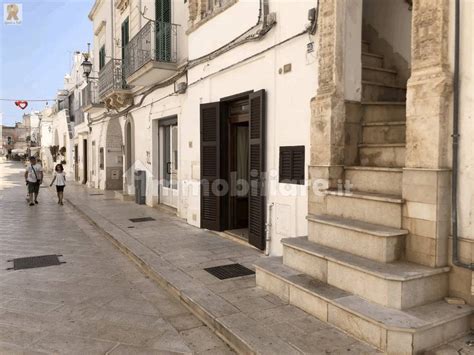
[32, 262]
[141, 219]
[229, 271]
[96, 194]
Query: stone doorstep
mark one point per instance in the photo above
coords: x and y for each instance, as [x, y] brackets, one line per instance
[401, 271]
[367, 196]
[371, 241]
[414, 322]
[373, 179]
[358, 226]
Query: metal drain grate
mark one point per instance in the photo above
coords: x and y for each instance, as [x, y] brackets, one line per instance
[96, 194]
[229, 271]
[32, 262]
[141, 219]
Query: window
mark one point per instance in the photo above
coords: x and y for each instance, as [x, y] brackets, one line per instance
[163, 30]
[125, 36]
[292, 165]
[101, 57]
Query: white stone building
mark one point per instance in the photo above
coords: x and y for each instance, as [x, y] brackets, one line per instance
[335, 94]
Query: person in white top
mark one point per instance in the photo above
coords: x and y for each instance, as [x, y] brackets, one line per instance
[34, 178]
[60, 179]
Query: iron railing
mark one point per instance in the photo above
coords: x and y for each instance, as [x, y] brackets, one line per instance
[156, 41]
[111, 78]
[90, 94]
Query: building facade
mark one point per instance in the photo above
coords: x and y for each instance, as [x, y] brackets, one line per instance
[334, 133]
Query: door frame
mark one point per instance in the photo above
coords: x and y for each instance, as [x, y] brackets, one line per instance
[162, 123]
[84, 161]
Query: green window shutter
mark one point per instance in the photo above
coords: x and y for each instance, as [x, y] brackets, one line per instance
[125, 36]
[101, 57]
[163, 30]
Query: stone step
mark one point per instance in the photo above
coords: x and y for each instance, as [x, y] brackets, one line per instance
[372, 60]
[373, 179]
[379, 75]
[367, 207]
[382, 155]
[375, 91]
[372, 241]
[365, 46]
[399, 285]
[383, 132]
[380, 111]
[391, 330]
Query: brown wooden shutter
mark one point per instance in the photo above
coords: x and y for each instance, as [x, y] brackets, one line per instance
[210, 166]
[292, 165]
[257, 169]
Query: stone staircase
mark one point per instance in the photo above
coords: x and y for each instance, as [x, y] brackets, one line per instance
[350, 270]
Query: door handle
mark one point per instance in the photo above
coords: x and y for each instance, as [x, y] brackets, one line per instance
[168, 167]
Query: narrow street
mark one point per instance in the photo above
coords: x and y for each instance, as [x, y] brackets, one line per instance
[97, 302]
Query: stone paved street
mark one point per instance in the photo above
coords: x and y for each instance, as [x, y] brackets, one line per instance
[96, 303]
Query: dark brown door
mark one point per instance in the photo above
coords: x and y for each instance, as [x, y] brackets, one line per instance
[211, 154]
[257, 128]
[84, 162]
[76, 162]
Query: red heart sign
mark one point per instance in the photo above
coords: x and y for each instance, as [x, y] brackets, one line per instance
[21, 104]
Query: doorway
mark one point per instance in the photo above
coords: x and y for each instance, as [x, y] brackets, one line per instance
[84, 162]
[233, 132]
[76, 162]
[168, 134]
[238, 167]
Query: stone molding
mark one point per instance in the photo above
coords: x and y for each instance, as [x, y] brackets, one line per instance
[199, 13]
[429, 89]
[328, 107]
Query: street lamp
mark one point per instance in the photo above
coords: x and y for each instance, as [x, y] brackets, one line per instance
[86, 64]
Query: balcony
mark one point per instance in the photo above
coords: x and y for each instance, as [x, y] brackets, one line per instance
[90, 98]
[113, 90]
[151, 56]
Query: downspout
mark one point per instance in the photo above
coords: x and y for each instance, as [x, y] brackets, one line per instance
[112, 29]
[268, 229]
[455, 136]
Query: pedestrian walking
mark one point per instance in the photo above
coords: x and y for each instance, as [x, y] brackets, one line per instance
[34, 178]
[60, 179]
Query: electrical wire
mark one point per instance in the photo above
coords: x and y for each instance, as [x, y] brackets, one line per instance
[32, 100]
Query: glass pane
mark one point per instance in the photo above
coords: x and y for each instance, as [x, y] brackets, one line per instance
[174, 149]
[166, 156]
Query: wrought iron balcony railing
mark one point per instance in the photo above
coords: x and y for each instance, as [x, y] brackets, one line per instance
[156, 41]
[90, 94]
[111, 78]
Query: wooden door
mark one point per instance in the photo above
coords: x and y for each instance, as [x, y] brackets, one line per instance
[211, 155]
[257, 201]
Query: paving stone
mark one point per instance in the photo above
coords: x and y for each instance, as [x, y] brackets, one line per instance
[96, 303]
[175, 253]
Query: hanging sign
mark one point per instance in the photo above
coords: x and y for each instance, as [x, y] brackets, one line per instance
[21, 104]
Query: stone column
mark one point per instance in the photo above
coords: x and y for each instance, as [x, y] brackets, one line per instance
[327, 108]
[426, 177]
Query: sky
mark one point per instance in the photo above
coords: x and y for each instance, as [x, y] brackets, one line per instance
[36, 54]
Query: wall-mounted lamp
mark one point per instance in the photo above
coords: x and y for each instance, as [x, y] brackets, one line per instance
[87, 65]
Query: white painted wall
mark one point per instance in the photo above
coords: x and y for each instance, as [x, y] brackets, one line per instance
[288, 100]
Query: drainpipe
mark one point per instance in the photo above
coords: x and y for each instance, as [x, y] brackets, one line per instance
[268, 229]
[455, 136]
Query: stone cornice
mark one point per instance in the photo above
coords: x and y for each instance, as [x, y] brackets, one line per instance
[99, 28]
[93, 11]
